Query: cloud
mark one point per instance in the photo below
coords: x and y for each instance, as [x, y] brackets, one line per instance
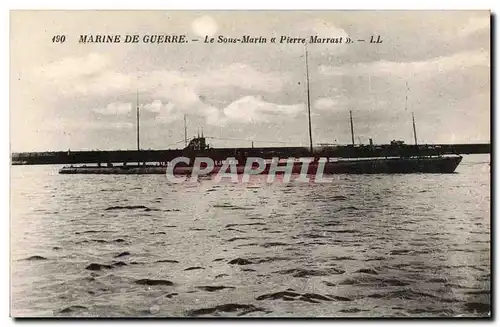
[175, 92]
[157, 106]
[90, 75]
[248, 109]
[243, 76]
[214, 116]
[165, 111]
[183, 96]
[325, 103]
[95, 75]
[73, 67]
[112, 125]
[406, 69]
[252, 109]
[174, 109]
[114, 109]
[106, 83]
[55, 125]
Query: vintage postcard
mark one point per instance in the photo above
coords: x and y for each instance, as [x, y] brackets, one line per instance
[250, 164]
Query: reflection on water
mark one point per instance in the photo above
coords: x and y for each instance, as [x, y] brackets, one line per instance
[374, 245]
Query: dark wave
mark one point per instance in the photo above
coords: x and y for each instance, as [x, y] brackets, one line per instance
[273, 244]
[167, 261]
[406, 294]
[478, 307]
[375, 259]
[35, 258]
[431, 310]
[231, 207]
[399, 252]
[241, 309]
[343, 258]
[278, 295]
[339, 298]
[370, 280]
[98, 267]
[94, 231]
[119, 264]
[270, 259]
[151, 209]
[125, 253]
[126, 208]
[193, 268]
[346, 231]
[300, 272]
[214, 288]
[290, 295]
[73, 308]
[369, 271]
[352, 310]
[248, 224]
[238, 238]
[240, 261]
[236, 230]
[481, 292]
[154, 282]
[437, 280]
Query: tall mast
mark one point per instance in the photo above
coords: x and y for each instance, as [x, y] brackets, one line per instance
[406, 96]
[137, 113]
[414, 129]
[412, 115]
[185, 131]
[352, 128]
[309, 106]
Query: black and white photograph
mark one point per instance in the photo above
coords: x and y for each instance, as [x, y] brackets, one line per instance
[250, 164]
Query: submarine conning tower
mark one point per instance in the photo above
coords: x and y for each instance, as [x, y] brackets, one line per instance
[198, 144]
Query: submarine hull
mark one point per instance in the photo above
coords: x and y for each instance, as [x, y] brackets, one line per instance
[363, 166]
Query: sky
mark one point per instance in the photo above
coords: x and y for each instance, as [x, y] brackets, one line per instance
[435, 64]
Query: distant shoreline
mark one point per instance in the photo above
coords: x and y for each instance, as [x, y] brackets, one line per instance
[342, 151]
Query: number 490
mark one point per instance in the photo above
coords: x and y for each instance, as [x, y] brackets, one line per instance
[58, 39]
